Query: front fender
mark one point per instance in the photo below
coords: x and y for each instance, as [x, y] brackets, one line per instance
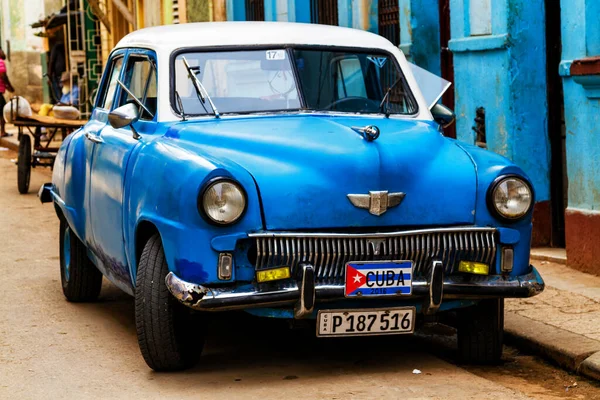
[164, 186]
[69, 175]
[489, 166]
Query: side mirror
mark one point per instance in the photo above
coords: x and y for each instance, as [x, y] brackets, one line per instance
[124, 116]
[441, 114]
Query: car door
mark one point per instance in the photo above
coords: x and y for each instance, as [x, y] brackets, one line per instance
[82, 147]
[109, 167]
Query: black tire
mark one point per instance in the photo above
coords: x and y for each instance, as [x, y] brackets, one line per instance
[24, 164]
[170, 337]
[481, 332]
[81, 280]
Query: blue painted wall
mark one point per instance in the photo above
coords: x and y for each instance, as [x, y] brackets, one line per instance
[580, 39]
[420, 33]
[500, 65]
[359, 14]
[236, 10]
[299, 11]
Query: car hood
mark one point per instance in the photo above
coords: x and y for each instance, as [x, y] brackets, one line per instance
[305, 166]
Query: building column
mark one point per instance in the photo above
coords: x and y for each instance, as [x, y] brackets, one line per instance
[580, 71]
[298, 11]
[236, 10]
[278, 10]
[499, 72]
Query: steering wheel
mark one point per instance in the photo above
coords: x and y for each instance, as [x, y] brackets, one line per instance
[353, 103]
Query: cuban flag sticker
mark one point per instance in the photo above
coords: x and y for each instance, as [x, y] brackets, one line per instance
[389, 278]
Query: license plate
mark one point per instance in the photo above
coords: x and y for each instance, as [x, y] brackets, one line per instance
[384, 321]
[378, 278]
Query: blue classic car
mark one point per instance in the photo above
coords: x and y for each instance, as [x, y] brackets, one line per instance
[292, 171]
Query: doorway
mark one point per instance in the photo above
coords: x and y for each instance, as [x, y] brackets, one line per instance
[389, 20]
[446, 61]
[324, 12]
[556, 125]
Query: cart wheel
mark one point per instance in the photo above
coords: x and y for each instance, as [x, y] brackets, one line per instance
[24, 164]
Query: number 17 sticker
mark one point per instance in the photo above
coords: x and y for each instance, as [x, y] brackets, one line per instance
[275, 55]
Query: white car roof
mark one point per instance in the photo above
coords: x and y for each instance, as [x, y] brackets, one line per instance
[209, 34]
[167, 38]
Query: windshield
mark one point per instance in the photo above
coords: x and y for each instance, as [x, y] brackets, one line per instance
[314, 79]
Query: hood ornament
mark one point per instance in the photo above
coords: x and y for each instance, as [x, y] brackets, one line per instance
[376, 202]
[369, 132]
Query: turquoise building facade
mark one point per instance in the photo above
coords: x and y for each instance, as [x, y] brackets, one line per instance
[580, 73]
[516, 93]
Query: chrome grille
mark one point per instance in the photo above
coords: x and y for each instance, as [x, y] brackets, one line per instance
[329, 252]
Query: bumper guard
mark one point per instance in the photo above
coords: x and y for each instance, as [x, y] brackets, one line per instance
[304, 293]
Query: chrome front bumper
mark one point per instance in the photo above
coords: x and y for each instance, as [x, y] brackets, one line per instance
[304, 293]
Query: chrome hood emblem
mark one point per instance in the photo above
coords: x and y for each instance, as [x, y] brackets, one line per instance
[369, 133]
[376, 202]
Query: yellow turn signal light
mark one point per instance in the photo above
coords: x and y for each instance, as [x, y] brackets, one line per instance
[472, 267]
[275, 274]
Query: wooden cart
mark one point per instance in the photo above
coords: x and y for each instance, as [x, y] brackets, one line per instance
[43, 154]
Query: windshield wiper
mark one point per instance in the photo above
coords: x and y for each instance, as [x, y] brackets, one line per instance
[200, 90]
[386, 99]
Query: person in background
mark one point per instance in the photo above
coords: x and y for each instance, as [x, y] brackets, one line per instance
[56, 67]
[70, 95]
[4, 86]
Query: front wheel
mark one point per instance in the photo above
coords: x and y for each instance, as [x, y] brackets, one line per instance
[481, 332]
[81, 280]
[170, 336]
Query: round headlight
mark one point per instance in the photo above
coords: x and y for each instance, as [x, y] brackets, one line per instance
[223, 202]
[511, 197]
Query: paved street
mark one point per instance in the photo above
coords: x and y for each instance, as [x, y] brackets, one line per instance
[53, 349]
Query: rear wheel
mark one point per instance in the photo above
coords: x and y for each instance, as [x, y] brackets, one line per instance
[24, 164]
[170, 336]
[481, 332]
[81, 280]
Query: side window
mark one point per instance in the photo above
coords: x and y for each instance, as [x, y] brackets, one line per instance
[141, 81]
[350, 80]
[109, 91]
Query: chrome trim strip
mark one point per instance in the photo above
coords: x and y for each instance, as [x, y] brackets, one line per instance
[369, 235]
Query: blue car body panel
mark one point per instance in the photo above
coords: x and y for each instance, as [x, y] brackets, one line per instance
[306, 165]
[303, 166]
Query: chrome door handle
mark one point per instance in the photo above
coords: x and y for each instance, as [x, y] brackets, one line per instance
[93, 138]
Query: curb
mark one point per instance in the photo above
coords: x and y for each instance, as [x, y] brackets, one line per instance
[9, 144]
[571, 351]
[557, 260]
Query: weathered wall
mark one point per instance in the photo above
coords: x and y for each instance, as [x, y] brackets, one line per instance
[499, 64]
[198, 10]
[580, 40]
[420, 33]
[24, 66]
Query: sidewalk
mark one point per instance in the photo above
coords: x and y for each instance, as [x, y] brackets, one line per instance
[562, 323]
[10, 142]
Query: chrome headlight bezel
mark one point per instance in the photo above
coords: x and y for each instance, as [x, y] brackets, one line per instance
[207, 186]
[492, 204]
